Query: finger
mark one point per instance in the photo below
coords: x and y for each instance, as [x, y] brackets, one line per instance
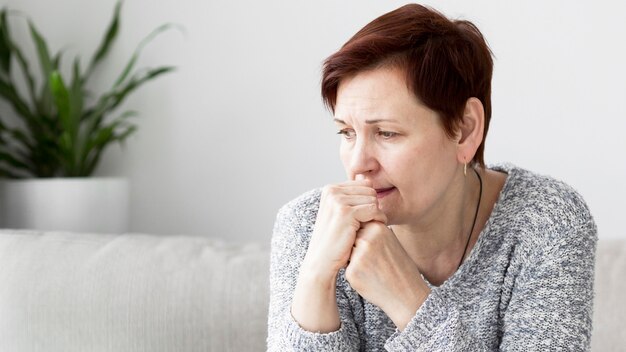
[369, 212]
[371, 227]
[362, 190]
[360, 181]
[350, 189]
[353, 200]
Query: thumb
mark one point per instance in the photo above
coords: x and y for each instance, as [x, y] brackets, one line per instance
[380, 216]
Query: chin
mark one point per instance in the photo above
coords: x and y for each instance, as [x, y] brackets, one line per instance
[391, 218]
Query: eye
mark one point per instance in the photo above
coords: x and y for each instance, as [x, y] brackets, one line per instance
[387, 134]
[347, 133]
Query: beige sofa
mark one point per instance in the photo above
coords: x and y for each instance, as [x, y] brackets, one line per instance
[91, 292]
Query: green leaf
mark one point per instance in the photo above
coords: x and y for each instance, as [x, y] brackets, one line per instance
[26, 157]
[111, 100]
[66, 154]
[5, 44]
[136, 82]
[126, 115]
[61, 99]
[8, 173]
[107, 41]
[130, 130]
[95, 147]
[9, 92]
[48, 157]
[62, 136]
[46, 100]
[56, 61]
[93, 162]
[131, 63]
[27, 74]
[103, 143]
[103, 135]
[19, 136]
[47, 66]
[10, 159]
[76, 100]
[63, 103]
[42, 51]
[76, 95]
[91, 132]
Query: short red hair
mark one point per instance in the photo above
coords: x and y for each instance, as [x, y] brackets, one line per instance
[446, 62]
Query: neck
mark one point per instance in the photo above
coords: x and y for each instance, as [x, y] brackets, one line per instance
[436, 241]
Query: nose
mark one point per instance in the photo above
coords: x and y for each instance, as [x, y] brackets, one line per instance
[362, 159]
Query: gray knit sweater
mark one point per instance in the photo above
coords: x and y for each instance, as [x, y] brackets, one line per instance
[527, 285]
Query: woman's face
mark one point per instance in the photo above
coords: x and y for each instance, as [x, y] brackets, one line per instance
[397, 143]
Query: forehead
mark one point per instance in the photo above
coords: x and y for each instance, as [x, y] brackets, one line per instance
[380, 93]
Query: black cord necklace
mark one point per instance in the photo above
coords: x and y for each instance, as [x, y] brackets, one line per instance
[480, 180]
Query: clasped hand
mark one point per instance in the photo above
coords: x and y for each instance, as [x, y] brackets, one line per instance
[351, 232]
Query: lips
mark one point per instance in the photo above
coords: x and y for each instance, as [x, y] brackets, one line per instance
[382, 192]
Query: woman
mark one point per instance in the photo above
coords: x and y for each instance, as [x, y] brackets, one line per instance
[425, 248]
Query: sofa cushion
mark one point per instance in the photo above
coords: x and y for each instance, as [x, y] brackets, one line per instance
[133, 292]
[609, 308]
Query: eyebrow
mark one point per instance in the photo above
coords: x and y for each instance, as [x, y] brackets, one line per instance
[369, 122]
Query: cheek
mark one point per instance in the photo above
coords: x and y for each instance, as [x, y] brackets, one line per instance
[407, 167]
[422, 163]
[344, 156]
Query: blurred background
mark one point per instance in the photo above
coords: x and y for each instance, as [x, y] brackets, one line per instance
[239, 129]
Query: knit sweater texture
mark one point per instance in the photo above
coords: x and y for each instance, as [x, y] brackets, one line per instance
[527, 284]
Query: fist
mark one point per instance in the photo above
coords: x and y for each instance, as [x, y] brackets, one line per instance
[343, 208]
[382, 272]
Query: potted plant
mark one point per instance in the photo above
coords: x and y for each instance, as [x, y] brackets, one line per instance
[51, 149]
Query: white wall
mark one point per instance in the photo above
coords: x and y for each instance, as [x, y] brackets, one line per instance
[240, 129]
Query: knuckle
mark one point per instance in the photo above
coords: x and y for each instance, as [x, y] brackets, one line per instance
[330, 195]
[378, 226]
[350, 271]
[328, 190]
[344, 211]
[372, 232]
[370, 226]
[371, 200]
[364, 239]
[364, 210]
[355, 225]
[366, 244]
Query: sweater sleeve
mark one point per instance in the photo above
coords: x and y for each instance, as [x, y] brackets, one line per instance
[550, 307]
[289, 244]
[436, 326]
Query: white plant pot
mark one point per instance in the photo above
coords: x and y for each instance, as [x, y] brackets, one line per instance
[65, 204]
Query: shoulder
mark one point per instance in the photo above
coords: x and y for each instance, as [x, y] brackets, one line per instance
[302, 209]
[544, 210]
[296, 219]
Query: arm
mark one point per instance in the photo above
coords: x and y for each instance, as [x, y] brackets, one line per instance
[289, 246]
[314, 304]
[550, 306]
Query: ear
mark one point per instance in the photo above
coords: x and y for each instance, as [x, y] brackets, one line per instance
[471, 130]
